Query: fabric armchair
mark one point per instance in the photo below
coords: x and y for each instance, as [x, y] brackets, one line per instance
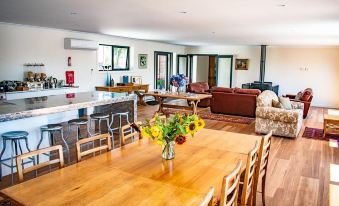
[280, 121]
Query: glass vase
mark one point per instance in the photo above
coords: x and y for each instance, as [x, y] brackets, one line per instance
[168, 151]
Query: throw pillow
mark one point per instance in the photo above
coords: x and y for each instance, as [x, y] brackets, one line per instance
[298, 96]
[285, 102]
[276, 104]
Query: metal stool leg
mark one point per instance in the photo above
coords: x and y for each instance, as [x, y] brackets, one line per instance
[12, 157]
[66, 145]
[2, 153]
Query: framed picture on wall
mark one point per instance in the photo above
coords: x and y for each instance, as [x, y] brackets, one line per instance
[241, 64]
[142, 59]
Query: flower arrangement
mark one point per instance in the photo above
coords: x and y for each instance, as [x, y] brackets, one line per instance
[171, 131]
[178, 80]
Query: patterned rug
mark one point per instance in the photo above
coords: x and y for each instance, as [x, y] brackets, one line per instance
[314, 133]
[206, 114]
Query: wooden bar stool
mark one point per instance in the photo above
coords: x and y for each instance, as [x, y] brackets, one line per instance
[51, 129]
[15, 138]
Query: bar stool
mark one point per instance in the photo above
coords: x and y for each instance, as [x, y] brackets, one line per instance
[51, 129]
[14, 138]
[100, 117]
[78, 123]
[119, 115]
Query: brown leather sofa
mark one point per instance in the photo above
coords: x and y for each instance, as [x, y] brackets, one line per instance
[234, 101]
[305, 97]
[200, 88]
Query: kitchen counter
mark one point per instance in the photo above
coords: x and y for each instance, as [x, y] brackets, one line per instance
[31, 107]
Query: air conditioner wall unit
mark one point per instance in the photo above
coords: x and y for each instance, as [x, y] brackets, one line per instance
[80, 44]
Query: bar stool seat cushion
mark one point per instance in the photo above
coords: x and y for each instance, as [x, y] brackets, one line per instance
[15, 134]
[78, 121]
[99, 116]
[51, 127]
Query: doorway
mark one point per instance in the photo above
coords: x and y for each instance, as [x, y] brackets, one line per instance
[224, 74]
[203, 68]
[182, 64]
[163, 69]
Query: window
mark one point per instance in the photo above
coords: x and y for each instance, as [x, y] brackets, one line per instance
[113, 58]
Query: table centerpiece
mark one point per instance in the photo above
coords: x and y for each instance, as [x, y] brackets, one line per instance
[179, 81]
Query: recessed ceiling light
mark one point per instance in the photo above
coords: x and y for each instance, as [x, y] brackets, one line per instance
[281, 5]
[73, 13]
[213, 32]
[183, 12]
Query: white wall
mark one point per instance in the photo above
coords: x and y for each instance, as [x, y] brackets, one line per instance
[283, 67]
[286, 67]
[21, 44]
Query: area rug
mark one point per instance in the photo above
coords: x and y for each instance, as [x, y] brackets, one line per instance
[206, 114]
[314, 133]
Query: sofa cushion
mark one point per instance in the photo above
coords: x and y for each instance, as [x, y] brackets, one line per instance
[278, 114]
[265, 98]
[298, 96]
[285, 102]
[223, 89]
[198, 87]
[247, 91]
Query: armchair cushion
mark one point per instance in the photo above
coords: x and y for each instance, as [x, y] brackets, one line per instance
[285, 102]
[278, 114]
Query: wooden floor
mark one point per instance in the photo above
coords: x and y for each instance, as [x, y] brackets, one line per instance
[298, 171]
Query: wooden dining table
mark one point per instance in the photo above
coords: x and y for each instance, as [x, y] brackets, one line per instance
[135, 174]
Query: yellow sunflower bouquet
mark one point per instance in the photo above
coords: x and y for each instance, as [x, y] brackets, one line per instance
[171, 130]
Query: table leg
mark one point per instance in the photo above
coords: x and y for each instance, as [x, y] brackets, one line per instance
[325, 123]
[194, 105]
[161, 108]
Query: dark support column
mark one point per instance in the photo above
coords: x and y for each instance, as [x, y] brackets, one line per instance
[262, 63]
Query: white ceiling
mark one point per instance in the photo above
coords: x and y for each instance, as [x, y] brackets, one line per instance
[207, 22]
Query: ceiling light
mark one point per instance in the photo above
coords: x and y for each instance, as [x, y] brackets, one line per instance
[73, 13]
[183, 12]
[213, 32]
[281, 5]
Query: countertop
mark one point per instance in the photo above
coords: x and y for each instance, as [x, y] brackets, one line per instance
[31, 107]
[39, 90]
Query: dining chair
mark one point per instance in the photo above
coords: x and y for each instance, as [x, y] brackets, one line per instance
[230, 187]
[132, 129]
[261, 169]
[20, 164]
[162, 118]
[247, 180]
[100, 137]
[208, 200]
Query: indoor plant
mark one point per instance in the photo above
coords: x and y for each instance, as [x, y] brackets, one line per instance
[172, 131]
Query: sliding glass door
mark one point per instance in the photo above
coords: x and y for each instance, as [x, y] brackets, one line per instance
[163, 69]
[224, 76]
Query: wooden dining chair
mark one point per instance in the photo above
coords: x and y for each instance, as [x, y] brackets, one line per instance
[132, 130]
[261, 169]
[230, 187]
[247, 181]
[19, 160]
[208, 200]
[162, 118]
[100, 137]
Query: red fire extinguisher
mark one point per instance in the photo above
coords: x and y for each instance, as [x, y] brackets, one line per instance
[69, 62]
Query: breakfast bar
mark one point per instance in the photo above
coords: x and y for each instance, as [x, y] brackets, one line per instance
[31, 113]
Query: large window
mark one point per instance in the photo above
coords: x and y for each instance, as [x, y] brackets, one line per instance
[113, 58]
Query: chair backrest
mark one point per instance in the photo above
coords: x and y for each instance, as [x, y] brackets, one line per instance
[263, 154]
[208, 200]
[265, 98]
[100, 137]
[230, 187]
[248, 183]
[21, 170]
[162, 118]
[133, 132]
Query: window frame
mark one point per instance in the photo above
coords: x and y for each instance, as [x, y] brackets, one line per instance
[127, 60]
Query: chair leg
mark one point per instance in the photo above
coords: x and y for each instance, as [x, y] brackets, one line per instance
[263, 189]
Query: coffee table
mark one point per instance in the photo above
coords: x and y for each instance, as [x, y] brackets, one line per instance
[331, 120]
[192, 98]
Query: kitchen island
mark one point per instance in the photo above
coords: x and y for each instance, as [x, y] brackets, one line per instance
[31, 113]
